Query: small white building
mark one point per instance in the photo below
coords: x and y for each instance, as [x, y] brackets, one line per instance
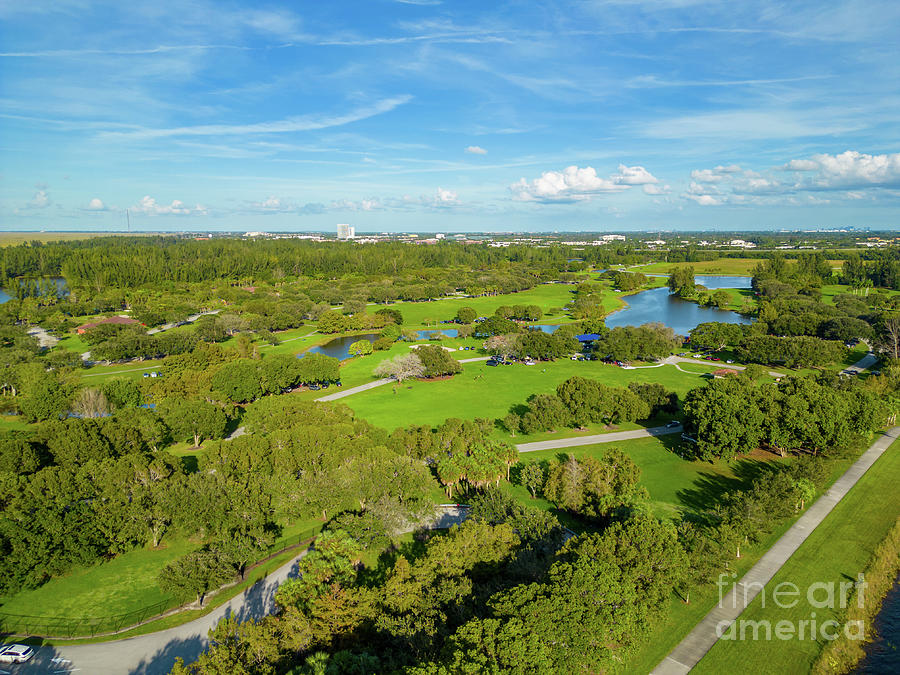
[345, 231]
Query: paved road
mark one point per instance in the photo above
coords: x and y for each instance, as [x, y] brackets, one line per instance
[675, 360]
[611, 437]
[864, 363]
[700, 640]
[155, 653]
[379, 383]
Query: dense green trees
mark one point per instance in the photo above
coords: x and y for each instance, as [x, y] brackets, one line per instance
[681, 281]
[594, 488]
[734, 416]
[437, 361]
[627, 343]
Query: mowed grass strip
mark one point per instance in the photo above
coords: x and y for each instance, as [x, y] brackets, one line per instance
[835, 553]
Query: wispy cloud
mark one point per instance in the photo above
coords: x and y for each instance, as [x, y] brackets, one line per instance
[291, 124]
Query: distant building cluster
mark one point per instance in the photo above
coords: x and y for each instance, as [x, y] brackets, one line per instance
[345, 231]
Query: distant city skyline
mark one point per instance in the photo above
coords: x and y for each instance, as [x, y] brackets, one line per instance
[431, 116]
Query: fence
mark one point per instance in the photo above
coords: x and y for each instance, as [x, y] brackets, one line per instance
[84, 627]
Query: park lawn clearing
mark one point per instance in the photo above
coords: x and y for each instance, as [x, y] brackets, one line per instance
[668, 478]
[739, 267]
[485, 391]
[126, 583]
[13, 423]
[427, 314]
[835, 552]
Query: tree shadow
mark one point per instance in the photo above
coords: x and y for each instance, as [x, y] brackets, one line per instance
[709, 487]
[189, 649]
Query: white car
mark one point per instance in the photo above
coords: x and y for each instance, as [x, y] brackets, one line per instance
[16, 653]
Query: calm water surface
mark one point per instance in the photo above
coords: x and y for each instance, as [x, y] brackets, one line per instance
[60, 284]
[680, 315]
[883, 655]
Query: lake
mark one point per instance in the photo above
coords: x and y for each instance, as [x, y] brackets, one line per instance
[682, 316]
[60, 285]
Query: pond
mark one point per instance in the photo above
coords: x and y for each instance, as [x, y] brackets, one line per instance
[60, 285]
[339, 347]
[680, 315]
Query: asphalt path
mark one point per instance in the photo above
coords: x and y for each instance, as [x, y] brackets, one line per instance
[611, 437]
[699, 641]
[155, 653]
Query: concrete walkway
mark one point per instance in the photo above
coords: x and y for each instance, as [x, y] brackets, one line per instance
[700, 640]
[611, 437]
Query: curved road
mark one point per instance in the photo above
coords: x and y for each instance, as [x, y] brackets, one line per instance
[155, 653]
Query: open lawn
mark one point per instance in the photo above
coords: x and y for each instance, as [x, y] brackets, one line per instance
[742, 267]
[486, 391]
[124, 584]
[836, 552]
[673, 483]
[127, 583]
[546, 296]
[16, 238]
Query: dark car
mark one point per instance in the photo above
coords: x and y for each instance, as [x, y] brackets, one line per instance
[491, 362]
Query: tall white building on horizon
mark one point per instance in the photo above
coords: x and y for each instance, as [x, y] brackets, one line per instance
[345, 231]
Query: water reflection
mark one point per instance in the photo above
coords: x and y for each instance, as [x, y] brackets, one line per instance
[680, 315]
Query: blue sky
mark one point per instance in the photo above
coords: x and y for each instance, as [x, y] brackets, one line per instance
[430, 115]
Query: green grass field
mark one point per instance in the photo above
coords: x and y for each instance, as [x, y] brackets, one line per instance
[670, 480]
[836, 552]
[547, 296]
[484, 391]
[726, 266]
[16, 238]
[124, 584]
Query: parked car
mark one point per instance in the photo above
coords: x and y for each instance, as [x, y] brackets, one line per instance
[16, 653]
[673, 424]
[729, 361]
[314, 387]
[529, 362]
[491, 362]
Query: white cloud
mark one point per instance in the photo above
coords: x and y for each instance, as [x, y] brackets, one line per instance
[853, 169]
[41, 200]
[96, 204]
[148, 206]
[576, 184]
[801, 165]
[475, 150]
[650, 189]
[705, 200]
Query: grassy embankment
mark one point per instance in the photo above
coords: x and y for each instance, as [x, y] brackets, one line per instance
[127, 583]
[683, 617]
[835, 553]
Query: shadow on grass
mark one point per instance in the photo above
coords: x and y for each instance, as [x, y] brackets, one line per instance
[709, 487]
